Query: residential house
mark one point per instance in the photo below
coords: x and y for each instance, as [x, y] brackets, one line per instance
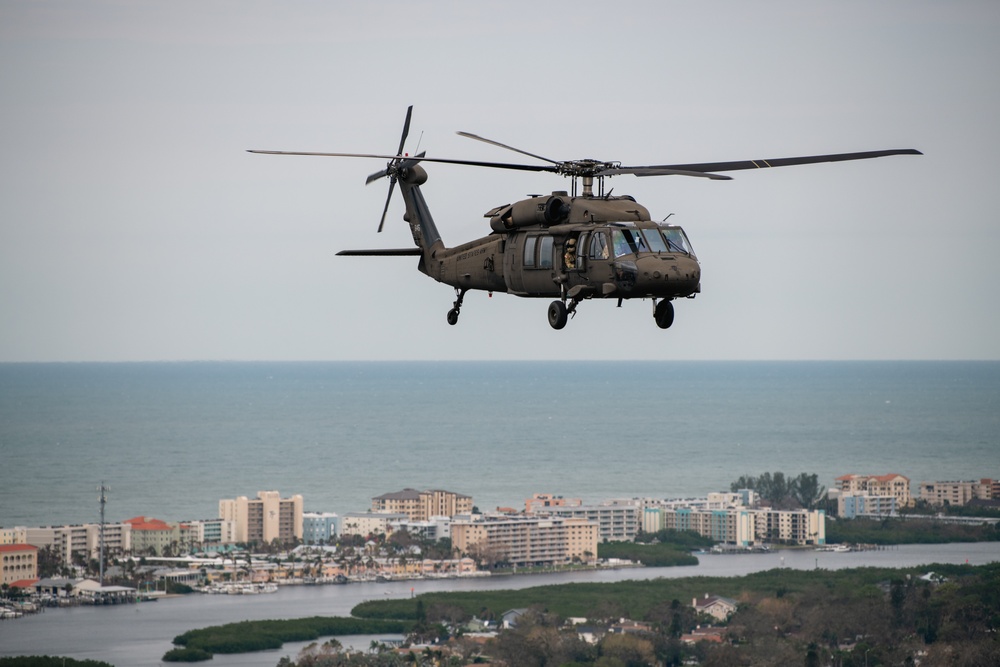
[716, 606]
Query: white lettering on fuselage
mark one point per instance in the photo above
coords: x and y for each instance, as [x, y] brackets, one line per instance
[473, 253]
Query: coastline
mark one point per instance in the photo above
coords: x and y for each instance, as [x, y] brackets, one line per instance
[138, 635]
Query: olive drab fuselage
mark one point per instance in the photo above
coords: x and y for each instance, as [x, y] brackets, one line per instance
[606, 248]
[557, 246]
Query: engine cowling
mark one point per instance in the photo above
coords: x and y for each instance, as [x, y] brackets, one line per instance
[547, 210]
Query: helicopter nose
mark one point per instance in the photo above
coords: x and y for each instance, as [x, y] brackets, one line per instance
[669, 276]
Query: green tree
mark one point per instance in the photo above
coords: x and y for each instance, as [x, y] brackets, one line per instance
[807, 490]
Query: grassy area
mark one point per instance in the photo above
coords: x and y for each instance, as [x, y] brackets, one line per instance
[248, 636]
[49, 661]
[635, 599]
[650, 555]
[909, 531]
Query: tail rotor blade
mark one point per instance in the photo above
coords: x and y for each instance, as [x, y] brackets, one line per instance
[406, 130]
[385, 209]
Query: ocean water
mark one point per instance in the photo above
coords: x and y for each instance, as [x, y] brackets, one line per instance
[171, 439]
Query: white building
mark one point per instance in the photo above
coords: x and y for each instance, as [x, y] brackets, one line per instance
[617, 520]
[370, 523]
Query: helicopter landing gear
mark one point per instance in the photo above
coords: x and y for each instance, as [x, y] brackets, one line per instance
[557, 315]
[663, 313]
[456, 307]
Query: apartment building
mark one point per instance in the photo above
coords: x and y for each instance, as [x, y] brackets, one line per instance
[741, 526]
[617, 520]
[853, 505]
[422, 505]
[893, 484]
[212, 532]
[526, 540]
[155, 537]
[266, 518]
[84, 539]
[958, 493]
[319, 527]
[437, 528]
[15, 535]
[18, 562]
[370, 523]
[539, 502]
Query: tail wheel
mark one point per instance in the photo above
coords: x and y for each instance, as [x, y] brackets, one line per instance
[664, 314]
[557, 315]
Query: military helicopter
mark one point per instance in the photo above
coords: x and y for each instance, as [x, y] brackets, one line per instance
[567, 246]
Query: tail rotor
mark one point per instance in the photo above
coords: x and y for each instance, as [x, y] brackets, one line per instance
[392, 167]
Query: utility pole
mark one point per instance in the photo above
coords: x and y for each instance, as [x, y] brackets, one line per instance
[104, 499]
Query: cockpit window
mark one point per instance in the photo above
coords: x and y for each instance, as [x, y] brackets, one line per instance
[628, 239]
[624, 242]
[677, 240]
[654, 240]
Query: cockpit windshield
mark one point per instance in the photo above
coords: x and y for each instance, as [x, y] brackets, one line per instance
[627, 240]
[677, 239]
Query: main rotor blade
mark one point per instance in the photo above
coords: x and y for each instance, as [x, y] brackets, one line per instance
[469, 135]
[784, 161]
[662, 171]
[470, 163]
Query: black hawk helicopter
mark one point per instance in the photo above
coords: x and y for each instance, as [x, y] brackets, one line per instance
[569, 246]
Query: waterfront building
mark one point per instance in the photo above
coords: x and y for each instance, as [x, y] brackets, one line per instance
[958, 493]
[617, 520]
[893, 484]
[741, 498]
[422, 505]
[370, 523]
[266, 518]
[154, 537]
[15, 535]
[853, 505]
[526, 540]
[18, 562]
[208, 533]
[741, 526]
[82, 540]
[540, 501]
[437, 528]
[319, 527]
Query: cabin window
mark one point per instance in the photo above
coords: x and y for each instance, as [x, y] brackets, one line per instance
[599, 246]
[529, 251]
[545, 253]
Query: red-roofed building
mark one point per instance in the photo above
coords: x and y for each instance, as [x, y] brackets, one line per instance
[892, 485]
[154, 537]
[18, 562]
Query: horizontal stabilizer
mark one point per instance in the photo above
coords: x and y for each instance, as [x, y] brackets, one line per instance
[382, 252]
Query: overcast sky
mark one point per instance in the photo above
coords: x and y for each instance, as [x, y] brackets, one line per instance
[135, 226]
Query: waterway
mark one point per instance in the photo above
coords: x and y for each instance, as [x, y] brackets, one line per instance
[138, 635]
